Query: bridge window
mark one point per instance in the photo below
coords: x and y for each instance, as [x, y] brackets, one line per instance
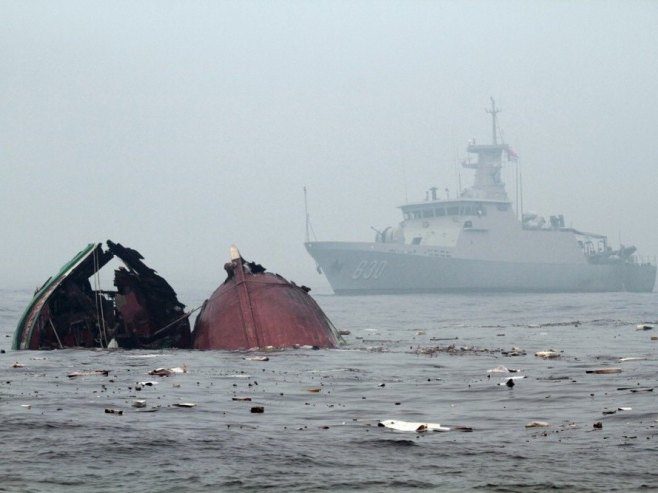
[428, 213]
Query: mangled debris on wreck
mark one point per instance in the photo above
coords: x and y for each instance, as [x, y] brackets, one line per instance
[143, 312]
[257, 309]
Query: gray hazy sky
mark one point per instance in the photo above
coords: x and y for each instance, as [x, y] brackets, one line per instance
[180, 127]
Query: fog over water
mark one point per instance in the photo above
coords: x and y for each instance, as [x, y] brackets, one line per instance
[179, 128]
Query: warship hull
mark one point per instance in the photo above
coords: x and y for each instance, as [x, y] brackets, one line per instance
[372, 268]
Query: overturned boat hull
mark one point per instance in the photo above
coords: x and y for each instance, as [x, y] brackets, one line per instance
[256, 309]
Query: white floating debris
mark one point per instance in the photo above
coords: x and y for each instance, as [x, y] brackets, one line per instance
[185, 404]
[411, 426]
[166, 372]
[537, 424]
[76, 374]
[147, 384]
[644, 327]
[139, 403]
[27, 406]
[113, 344]
[257, 358]
[639, 358]
[624, 408]
[510, 381]
[604, 371]
[18, 365]
[503, 369]
[550, 354]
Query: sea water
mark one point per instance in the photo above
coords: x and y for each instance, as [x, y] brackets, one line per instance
[421, 358]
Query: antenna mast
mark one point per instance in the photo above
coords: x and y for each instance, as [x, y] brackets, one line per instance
[307, 218]
[493, 112]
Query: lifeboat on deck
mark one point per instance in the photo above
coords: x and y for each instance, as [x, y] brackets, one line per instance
[254, 309]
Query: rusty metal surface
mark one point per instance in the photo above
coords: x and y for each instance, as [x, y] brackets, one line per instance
[256, 309]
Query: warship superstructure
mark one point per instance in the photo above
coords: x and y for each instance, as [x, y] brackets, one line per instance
[477, 242]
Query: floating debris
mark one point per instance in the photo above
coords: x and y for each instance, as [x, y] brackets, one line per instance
[503, 369]
[344, 332]
[411, 426]
[101, 373]
[640, 358]
[644, 327]
[139, 403]
[511, 381]
[598, 425]
[258, 409]
[624, 409]
[184, 404]
[167, 372]
[604, 371]
[114, 411]
[257, 358]
[241, 399]
[537, 424]
[18, 365]
[550, 354]
[147, 384]
[314, 390]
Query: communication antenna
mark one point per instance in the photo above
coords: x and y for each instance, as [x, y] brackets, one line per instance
[309, 226]
[493, 112]
[307, 237]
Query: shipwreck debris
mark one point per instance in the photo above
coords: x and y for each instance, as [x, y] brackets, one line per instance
[604, 371]
[411, 426]
[256, 309]
[66, 311]
[550, 354]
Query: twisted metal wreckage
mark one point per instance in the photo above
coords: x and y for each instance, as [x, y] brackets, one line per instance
[251, 309]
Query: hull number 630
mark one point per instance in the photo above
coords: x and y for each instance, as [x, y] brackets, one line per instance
[369, 269]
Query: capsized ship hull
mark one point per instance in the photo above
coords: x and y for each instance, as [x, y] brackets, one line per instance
[254, 309]
[371, 268]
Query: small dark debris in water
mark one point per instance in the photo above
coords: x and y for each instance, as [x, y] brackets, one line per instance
[463, 429]
[598, 425]
[258, 409]
[2, 351]
[382, 385]
[114, 411]
[17, 365]
[608, 412]
[604, 371]
[510, 383]
[636, 389]
[344, 332]
[241, 398]
[644, 327]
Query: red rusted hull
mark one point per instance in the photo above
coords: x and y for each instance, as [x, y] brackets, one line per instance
[259, 310]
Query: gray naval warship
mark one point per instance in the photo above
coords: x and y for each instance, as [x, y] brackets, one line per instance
[477, 242]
